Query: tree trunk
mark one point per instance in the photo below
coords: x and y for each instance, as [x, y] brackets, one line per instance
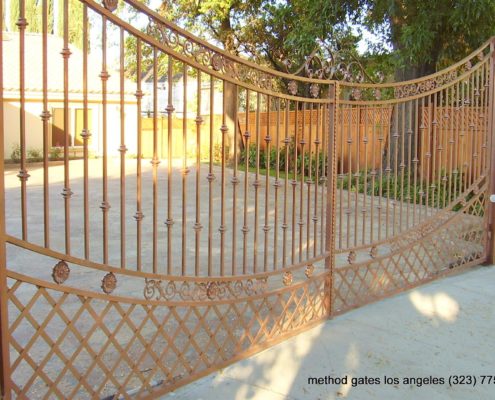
[231, 104]
[400, 147]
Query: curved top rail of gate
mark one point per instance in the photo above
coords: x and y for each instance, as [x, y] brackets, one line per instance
[196, 52]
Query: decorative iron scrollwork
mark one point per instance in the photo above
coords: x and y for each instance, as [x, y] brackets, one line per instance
[61, 272]
[109, 283]
[287, 279]
[199, 291]
[309, 271]
[373, 252]
[292, 87]
[110, 5]
[314, 90]
[351, 258]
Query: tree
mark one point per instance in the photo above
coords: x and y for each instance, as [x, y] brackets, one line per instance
[264, 31]
[428, 35]
[425, 36]
[75, 22]
[33, 14]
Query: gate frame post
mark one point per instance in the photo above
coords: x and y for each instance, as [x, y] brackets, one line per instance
[5, 385]
[330, 201]
[490, 246]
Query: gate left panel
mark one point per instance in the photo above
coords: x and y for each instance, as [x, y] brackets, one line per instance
[165, 203]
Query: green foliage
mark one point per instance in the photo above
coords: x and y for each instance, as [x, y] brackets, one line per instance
[35, 155]
[265, 31]
[33, 14]
[431, 34]
[405, 187]
[14, 15]
[75, 22]
[55, 153]
[15, 155]
[268, 160]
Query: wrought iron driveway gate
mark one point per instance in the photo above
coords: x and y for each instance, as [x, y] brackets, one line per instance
[294, 199]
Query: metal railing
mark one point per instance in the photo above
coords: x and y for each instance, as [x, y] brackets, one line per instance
[244, 206]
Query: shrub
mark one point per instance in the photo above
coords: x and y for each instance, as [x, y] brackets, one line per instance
[55, 153]
[35, 155]
[15, 155]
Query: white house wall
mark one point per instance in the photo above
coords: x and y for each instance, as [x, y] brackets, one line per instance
[34, 125]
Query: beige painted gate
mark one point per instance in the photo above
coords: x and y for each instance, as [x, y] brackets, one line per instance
[294, 199]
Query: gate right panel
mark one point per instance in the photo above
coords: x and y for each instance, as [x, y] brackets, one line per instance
[412, 180]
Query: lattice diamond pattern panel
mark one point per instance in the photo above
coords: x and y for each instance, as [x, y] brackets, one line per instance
[68, 345]
[459, 239]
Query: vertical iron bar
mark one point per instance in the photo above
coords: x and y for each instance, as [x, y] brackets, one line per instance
[301, 188]
[356, 174]
[294, 183]
[66, 193]
[364, 211]
[423, 161]
[491, 151]
[340, 136]
[138, 216]
[477, 112]
[471, 113]
[324, 176]
[460, 136]
[23, 174]
[268, 139]
[373, 171]
[256, 184]
[170, 109]
[86, 132]
[388, 170]
[185, 169]
[235, 181]
[465, 127]
[396, 160]
[105, 206]
[45, 116]
[309, 182]
[380, 189]
[330, 201]
[197, 225]
[439, 150]
[286, 182]
[155, 161]
[276, 185]
[349, 177]
[402, 165]
[428, 142]
[409, 144]
[486, 122]
[317, 180]
[415, 160]
[210, 177]
[122, 150]
[445, 150]
[5, 373]
[451, 144]
[245, 228]
[224, 130]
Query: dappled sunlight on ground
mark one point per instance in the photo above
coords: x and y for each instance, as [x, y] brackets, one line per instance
[440, 329]
[439, 306]
[272, 365]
